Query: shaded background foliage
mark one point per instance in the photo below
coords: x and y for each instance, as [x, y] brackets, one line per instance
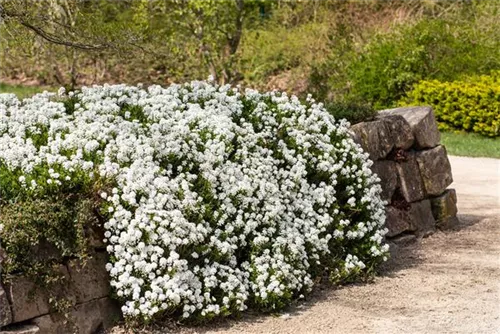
[366, 54]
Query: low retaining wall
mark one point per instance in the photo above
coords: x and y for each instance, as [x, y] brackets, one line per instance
[413, 168]
[25, 308]
[415, 174]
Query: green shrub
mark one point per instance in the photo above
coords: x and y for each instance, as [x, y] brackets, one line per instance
[446, 48]
[471, 104]
[353, 112]
[276, 49]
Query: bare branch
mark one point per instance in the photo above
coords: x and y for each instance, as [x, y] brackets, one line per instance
[47, 35]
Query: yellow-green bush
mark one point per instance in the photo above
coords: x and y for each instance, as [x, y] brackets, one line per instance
[472, 104]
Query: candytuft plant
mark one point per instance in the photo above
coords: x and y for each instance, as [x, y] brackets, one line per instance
[214, 199]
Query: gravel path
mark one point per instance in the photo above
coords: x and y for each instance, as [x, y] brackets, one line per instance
[447, 283]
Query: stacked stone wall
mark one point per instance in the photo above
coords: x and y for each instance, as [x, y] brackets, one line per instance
[27, 308]
[414, 169]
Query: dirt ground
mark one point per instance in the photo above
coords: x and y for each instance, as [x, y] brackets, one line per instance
[446, 283]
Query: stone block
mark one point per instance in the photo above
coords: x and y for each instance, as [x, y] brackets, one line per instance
[27, 300]
[387, 172]
[5, 312]
[374, 138]
[422, 123]
[422, 220]
[400, 132]
[95, 236]
[86, 318]
[46, 251]
[91, 280]
[54, 324]
[20, 329]
[417, 218]
[444, 209]
[398, 221]
[410, 180]
[435, 170]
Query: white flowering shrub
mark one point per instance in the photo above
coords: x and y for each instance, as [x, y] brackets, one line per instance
[214, 200]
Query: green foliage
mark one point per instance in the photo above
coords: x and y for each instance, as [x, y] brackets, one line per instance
[437, 48]
[380, 66]
[353, 112]
[276, 49]
[472, 104]
[38, 234]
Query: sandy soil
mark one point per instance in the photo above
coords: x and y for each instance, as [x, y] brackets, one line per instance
[446, 283]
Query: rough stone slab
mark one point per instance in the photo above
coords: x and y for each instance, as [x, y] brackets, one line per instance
[46, 251]
[86, 318]
[5, 313]
[387, 172]
[55, 324]
[20, 329]
[398, 221]
[422, 219]
[444, 209]
[422, 123]
[410, 180]
[374, 138]
[435, 170]
[95, 236]
[27, 301]
[89, 281]
[400, 131]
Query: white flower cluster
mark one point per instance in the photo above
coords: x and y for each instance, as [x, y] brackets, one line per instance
[216, 200]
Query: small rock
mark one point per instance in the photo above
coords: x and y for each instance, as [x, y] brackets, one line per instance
[422, 123]
[404, 240]
[435, 170]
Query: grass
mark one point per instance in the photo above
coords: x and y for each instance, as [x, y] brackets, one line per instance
[470, 144]
[20, 90]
